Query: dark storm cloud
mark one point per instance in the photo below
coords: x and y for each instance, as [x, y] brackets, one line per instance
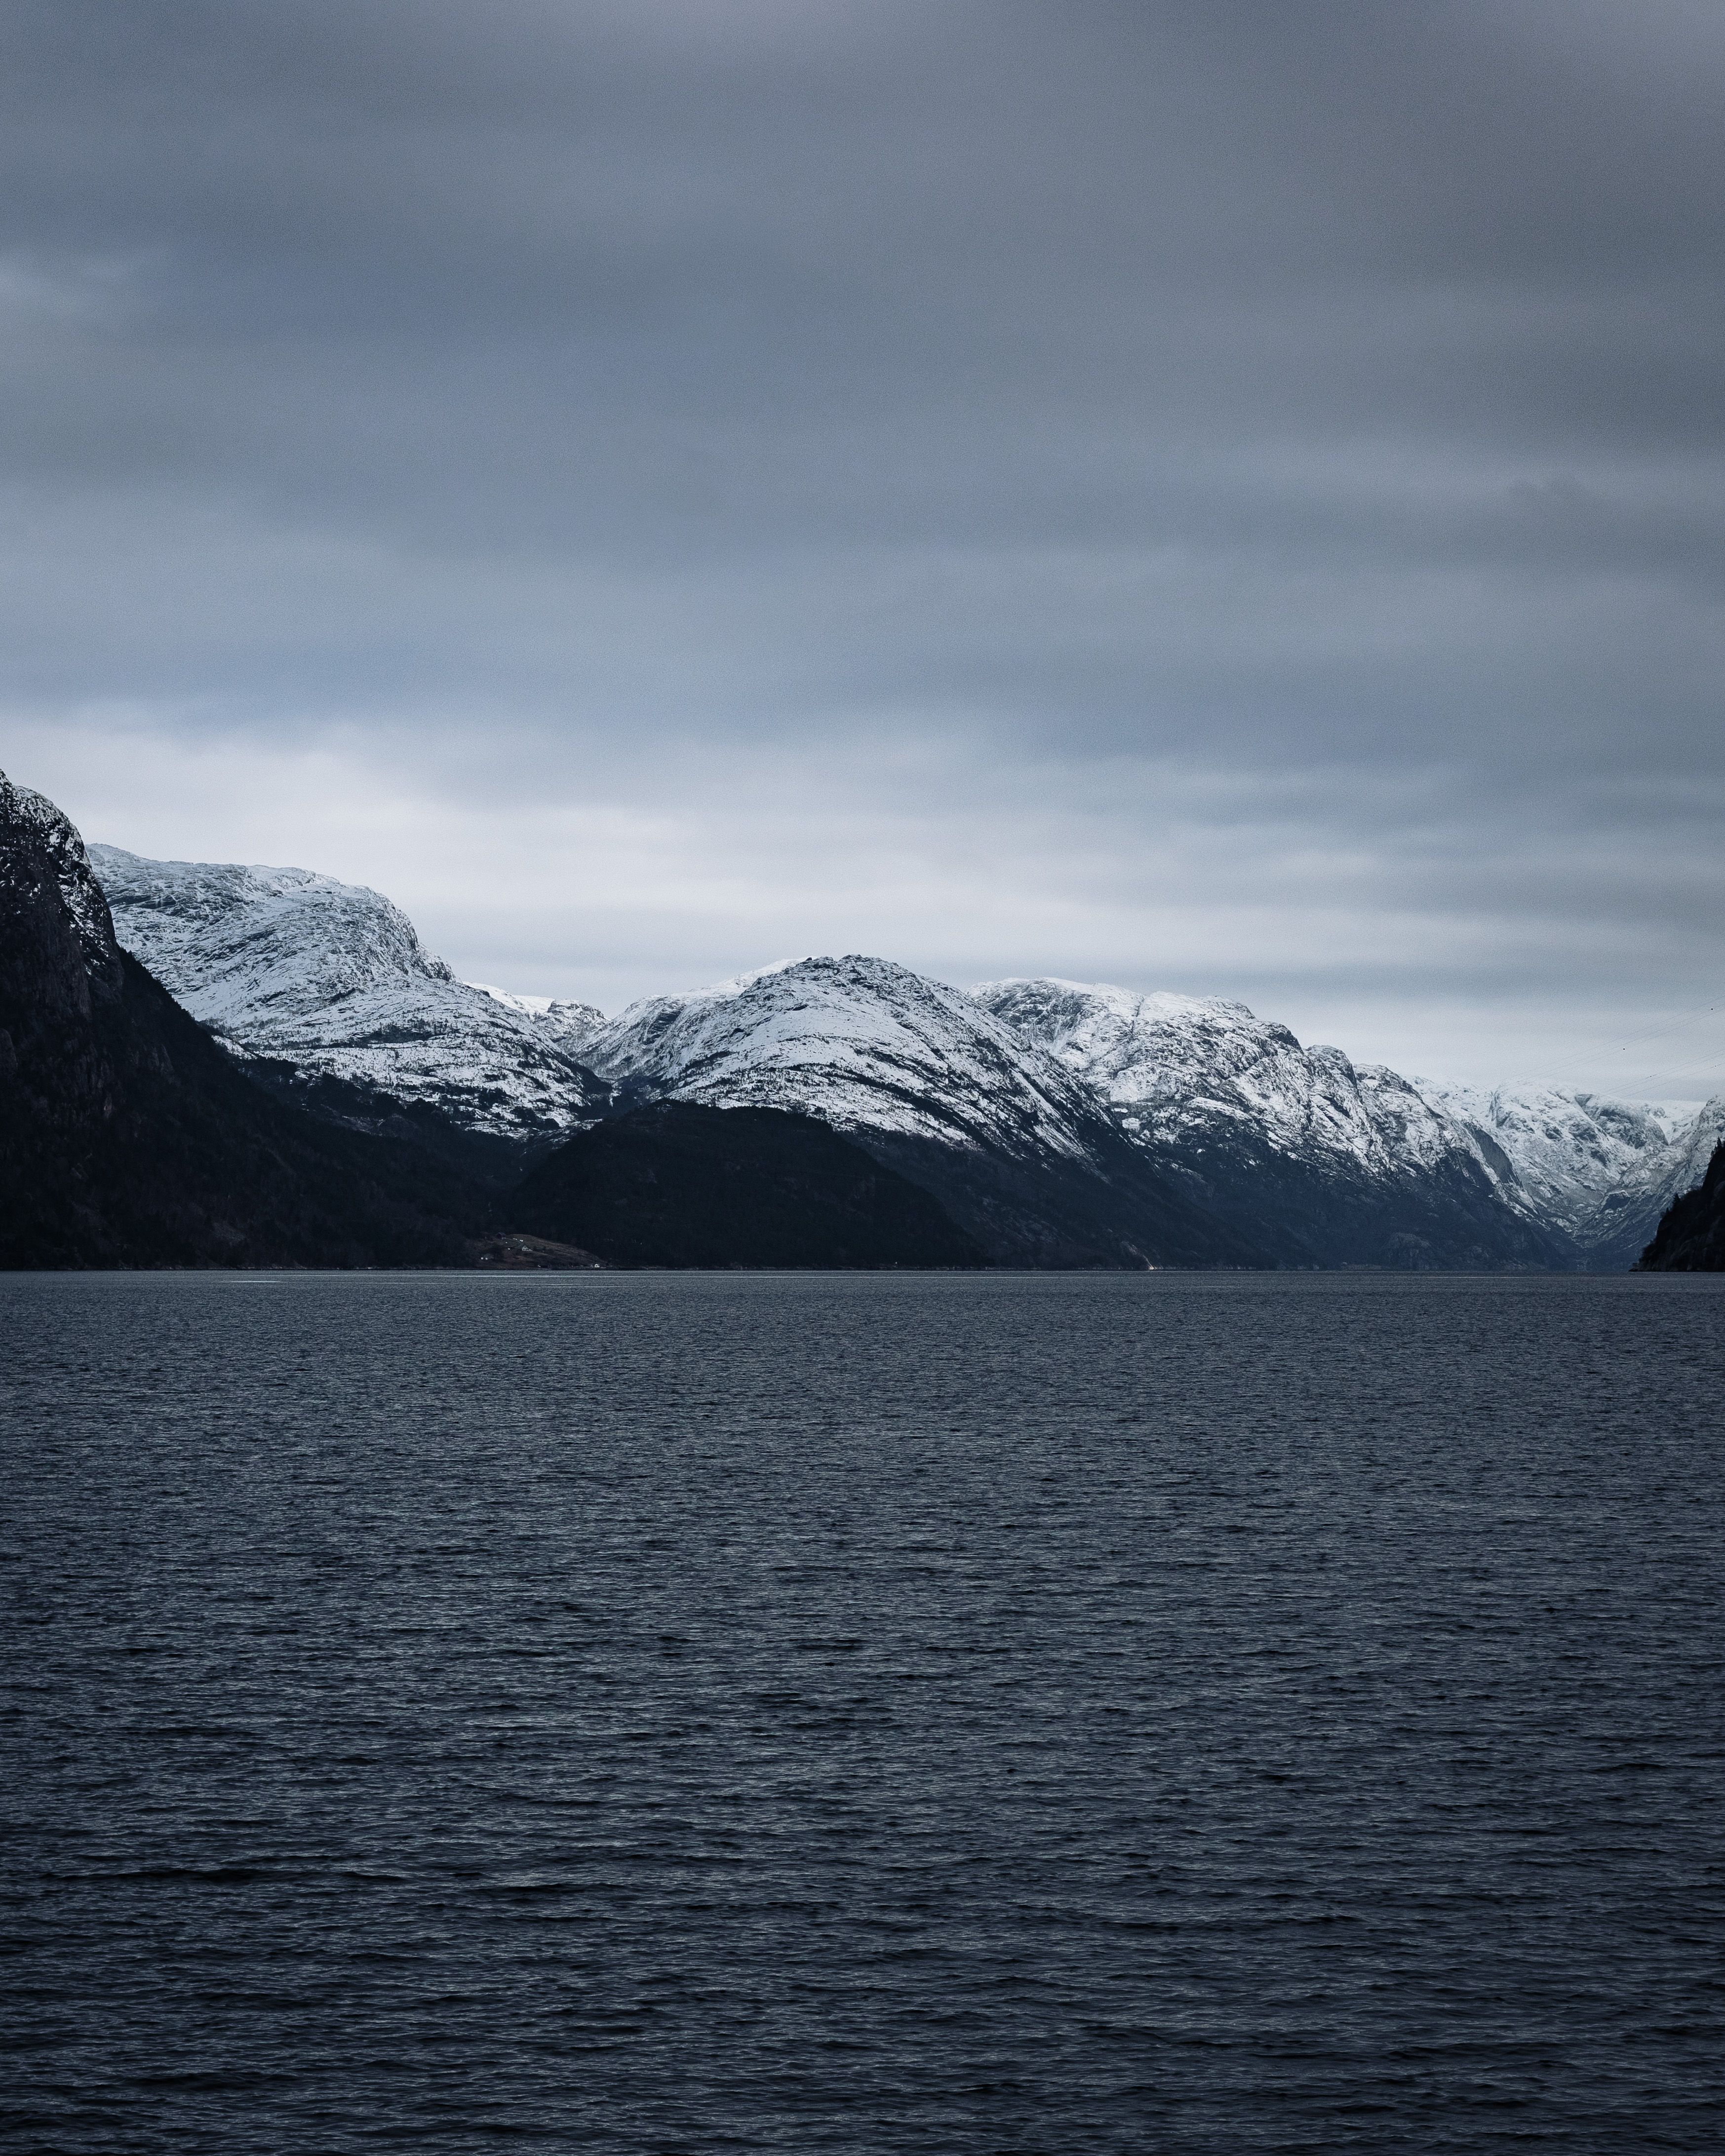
[1328, 388]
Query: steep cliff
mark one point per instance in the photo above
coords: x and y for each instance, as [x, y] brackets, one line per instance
[128, 1135]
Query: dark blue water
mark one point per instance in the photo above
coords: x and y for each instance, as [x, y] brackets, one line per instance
[656, 1713]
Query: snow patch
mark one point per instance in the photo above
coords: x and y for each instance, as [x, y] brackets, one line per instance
[332, 978]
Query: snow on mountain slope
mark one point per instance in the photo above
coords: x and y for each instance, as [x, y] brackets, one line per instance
[1349, 1165]
[1133, 1100]
[1185, 1068]
[330, 979]
[1197, 1073]
[571, 1023]
[860, 1042]
[1602, 1169]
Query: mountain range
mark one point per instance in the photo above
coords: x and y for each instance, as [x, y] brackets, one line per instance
[1057, 1123]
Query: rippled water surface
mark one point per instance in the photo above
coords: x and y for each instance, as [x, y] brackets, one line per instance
[660, 1713]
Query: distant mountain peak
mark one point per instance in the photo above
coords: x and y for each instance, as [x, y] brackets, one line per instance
[1133, 1007]
[1021, 1152]
[1600, 1169]
[572, 1024]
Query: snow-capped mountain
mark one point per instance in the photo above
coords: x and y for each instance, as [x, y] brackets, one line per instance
[1062, 1122]
[862, 1043]
[1182, 1069]
[1602, 1171]
[1020, 1151]
[327, 980]
[1342, 1164]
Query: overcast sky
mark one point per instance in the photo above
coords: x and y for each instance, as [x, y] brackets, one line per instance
[1223, 495]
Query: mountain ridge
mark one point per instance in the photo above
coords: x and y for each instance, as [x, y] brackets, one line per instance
[1063, 1121]
[1335, 1164]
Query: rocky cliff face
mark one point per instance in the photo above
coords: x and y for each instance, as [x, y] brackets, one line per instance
[324, 985]
[128, 1137]
[1333, 1164]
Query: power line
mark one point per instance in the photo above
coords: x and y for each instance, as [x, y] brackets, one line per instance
[1613, 1050]
[1682, 1070]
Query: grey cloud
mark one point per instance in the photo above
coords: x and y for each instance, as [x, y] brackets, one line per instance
[559, 394]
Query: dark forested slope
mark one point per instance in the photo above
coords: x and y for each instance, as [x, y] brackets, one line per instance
[684, 1185]
[1691, 1238]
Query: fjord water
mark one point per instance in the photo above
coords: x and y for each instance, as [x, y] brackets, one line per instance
[661, 1712]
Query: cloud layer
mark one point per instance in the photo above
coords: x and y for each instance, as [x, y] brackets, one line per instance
[1225, 498]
